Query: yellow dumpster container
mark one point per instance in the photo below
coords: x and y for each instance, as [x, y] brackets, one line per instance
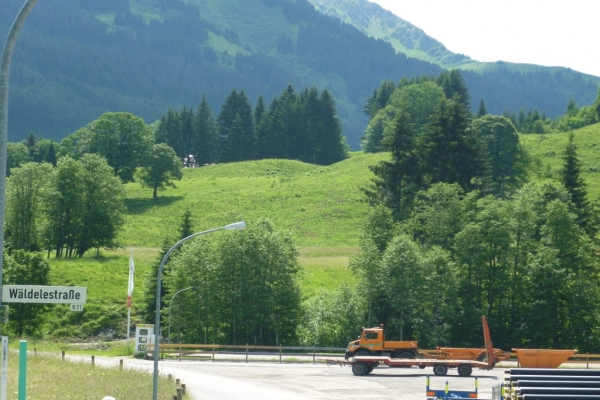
[542, 358]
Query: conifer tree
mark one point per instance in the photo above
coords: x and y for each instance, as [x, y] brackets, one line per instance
[291, 137]
[206, 135]
[272, 135]
[261, 124]
[169, 132]
[259, 110]
[30, 143]
[309, 111]
[575, 185]
[329, 140]
[447, 151]
[396, 181]
[238, 145]
[379, 99]
[186, 228]
[453, 84]
[481, 111]
[50, 156]
[187, 135]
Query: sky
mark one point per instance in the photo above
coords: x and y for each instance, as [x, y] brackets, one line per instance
[561, 33]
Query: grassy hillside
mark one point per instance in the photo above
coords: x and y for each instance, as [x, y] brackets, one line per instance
[548, 151]
[321, 206]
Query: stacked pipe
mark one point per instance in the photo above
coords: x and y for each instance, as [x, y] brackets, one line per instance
[551, 383]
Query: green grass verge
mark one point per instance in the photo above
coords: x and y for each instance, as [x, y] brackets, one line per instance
[50, 378]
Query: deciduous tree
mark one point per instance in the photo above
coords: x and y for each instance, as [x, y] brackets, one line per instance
[121, 138]
[26, 268]
[161, 168]
[25, 195]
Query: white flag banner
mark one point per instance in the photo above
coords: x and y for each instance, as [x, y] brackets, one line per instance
[130, 285]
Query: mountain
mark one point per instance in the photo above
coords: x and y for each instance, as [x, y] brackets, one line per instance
[378, 23]
[373, 20]
[77, 59]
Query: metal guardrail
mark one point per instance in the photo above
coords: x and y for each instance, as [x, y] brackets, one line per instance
[181, 350]
[211, 350]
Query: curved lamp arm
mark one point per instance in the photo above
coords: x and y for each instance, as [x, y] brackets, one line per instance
[170, 304]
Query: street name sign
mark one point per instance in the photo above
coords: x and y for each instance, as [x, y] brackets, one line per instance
[44, 294]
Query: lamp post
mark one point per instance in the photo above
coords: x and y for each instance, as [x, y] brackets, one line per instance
[234, 226]
[9, 45]
[170, 304]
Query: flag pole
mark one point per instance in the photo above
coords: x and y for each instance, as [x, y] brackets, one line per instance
[129, 293]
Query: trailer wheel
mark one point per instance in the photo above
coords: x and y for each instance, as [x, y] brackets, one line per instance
[440, 369]
[360, 369]
[422, 366]
[465, 370]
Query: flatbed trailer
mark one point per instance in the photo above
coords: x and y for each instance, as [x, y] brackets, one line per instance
[364, 365]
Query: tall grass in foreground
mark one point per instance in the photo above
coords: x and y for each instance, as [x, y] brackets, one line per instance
[50, 378]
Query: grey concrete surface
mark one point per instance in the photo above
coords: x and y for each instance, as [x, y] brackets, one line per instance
[230, 377]
[232, 380]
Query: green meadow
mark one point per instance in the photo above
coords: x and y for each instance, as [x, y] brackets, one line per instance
[322, 207]
[548, 150]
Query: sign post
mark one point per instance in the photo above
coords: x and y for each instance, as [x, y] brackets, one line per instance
[4, 368]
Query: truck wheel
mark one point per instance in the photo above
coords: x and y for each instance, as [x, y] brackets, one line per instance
[405, 354]
[440, 369]
[465, 370]
[360, 369]
[362, 353]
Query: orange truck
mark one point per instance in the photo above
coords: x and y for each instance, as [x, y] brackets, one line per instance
[372, 343]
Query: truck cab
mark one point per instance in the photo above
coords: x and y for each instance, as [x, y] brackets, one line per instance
[372, 343]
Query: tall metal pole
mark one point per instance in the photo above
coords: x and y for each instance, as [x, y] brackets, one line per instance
[11, 39]
[235, 226]
[170, 304]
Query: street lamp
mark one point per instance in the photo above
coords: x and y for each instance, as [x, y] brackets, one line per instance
[7, 52]
[170, 304]
[230, 227]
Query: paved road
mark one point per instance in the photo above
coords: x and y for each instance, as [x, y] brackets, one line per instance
[227, 380]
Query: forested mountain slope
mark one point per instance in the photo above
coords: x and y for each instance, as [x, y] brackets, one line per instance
[557, 82]
[76, 60]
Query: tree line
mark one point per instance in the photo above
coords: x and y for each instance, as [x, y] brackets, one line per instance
[301, 126]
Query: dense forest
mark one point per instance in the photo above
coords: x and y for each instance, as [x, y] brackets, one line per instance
[74, 61]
